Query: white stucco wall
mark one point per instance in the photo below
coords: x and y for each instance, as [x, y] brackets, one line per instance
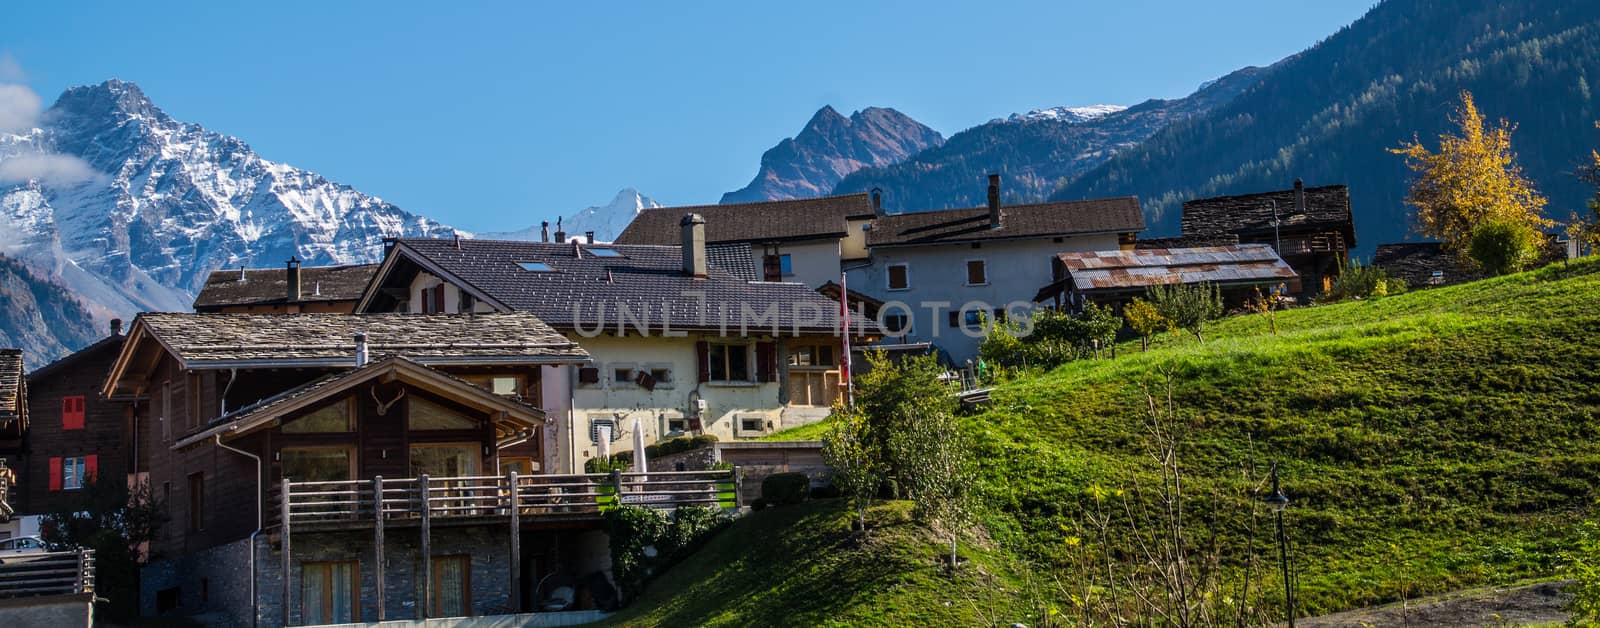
[1017, 269]
[452, 295]
[812, 262]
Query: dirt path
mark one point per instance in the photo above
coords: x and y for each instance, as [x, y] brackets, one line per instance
[1525, 605]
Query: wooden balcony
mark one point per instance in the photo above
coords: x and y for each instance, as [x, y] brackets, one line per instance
[494, 498]
[51, 573]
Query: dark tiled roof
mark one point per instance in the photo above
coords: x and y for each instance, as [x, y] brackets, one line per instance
[797, 219]
[647, 282]
[11, 381]
[1089, 271]
[735, 258]
[1104, 215]
[267, 286]
[1327, 207]
[111, 343]
[329, 339]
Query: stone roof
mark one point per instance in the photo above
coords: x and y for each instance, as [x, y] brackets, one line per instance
[12, 391]
[270, 286]
[1240, 264]
[221, 340]
[642, 284]
[1327, 208]
[766, 221]
[1039, 220]
[738, 259]
[112, 343]
[1416, 263]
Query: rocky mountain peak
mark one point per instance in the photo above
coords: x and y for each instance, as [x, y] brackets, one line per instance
[831, 146]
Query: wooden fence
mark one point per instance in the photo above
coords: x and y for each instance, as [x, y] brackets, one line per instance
[50, 573]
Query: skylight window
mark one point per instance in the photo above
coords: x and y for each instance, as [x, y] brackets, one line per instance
[538, 267]
[603, 252]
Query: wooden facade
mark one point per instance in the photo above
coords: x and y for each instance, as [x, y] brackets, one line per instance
[73, 429]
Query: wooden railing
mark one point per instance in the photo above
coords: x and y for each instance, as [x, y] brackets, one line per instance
[51, 573]
[498, 496]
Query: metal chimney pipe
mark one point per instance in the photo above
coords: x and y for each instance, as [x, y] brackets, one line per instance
[561, 234]
[544, 231]
[361, 349]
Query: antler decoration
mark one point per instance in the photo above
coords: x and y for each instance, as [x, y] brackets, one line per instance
[383, 406]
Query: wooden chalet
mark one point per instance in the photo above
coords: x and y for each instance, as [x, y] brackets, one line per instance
[13, 424]
[290, 290]
[75, 433]
[1310, 228]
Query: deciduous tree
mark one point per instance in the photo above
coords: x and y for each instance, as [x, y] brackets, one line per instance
[1188, 306]
[857, 470]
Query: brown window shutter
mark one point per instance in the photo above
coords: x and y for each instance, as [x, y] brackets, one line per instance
[438, 299]
[702, 360]
[766, 362]
[589, 375]
[645, 380]
[772, 268]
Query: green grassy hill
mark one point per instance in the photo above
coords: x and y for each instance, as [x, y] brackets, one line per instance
[1429, 441]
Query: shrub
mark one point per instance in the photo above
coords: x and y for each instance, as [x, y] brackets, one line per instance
[1050, 337]
[1583, 566]
[1145, 320]
[1357, 281]
[637, 532]
[602, 464]
[1503, 246]
[785, 488]
[1188, 306]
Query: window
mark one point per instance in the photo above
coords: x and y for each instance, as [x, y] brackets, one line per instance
[603, 252]
[70, 474]
[337, 417]
[433, 300]
[786, 265]
[72, 413]
[329, 593]
[655, 376]
[752, 426]
[196, 393]
[423, 414]
[730, 363]
[602, 427]
[589, 376]
[317, 464]
[899, 277]
[977, 272]
[896, 323]
[503, 385]
[197, 502]
[677, 424]
[970, 318]
[523, 466]
[452, 586]
[166, 410]
[444, 459]
[621, 375]
[811, 355]
[538, 267]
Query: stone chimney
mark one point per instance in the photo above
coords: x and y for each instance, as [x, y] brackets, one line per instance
[116, 327]
[561, 234]
[694, 245]
[544, 231]
[994, 201]
[1299, 196]
[293, 274]
[589, 236]
[361, 349]
[877, 201]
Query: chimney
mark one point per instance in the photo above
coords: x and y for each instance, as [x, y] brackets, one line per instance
[561, 235]
[589, 235]
[544, 231]
[116, 327]
[994, 201]
[877, 201]
[1299, 196]
[293, 272]
[361, 349]
[694, 245]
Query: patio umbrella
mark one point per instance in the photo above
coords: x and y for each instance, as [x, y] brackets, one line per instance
[640, 465]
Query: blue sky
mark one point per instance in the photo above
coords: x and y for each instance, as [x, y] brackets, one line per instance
[494, 116]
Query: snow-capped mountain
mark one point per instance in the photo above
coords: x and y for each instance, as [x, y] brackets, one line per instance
[1065, 114]
[606, 221]
[130, 209]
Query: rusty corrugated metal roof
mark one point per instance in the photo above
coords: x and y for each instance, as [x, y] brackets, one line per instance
[1118, 270]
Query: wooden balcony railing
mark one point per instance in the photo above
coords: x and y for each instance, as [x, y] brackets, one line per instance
[51, 573]
[530, 496]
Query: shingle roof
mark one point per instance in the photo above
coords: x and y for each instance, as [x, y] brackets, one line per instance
[1104, 215]
[735, 258]
[646, 284]
[1090, 271]
[218, 340]
[796, 219]
[1327, 207]
[264, 286]
[11, 381]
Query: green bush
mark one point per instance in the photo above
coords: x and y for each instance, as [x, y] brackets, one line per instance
[785, 488]
[1583, 567]
[1502, 247]
[1187, 306]
[679, 445]
[1050, 337]
[637, 532]
[602, 464]
[1357, 281]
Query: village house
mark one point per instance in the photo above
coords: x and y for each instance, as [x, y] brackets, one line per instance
[680, 345]
[291, 290]
[1113, 278]
[1310, 228]
[942, 274]
[230, 408]
[73, 434]
[807, 241]
[13, 426]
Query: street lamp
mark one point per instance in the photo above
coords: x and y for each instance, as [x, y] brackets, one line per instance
[1277, 501]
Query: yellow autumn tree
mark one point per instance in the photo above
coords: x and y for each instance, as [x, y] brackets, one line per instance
[1473, 179]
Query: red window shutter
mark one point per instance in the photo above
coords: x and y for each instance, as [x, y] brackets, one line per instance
[702, 360]
[766, 362]
[72, 413]
[90, 466]
[55, 474]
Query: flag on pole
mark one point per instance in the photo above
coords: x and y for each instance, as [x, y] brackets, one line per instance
[844, 322]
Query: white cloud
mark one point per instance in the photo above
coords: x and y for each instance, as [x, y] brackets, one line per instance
[49, 169]
[19, 108]
[10, 70]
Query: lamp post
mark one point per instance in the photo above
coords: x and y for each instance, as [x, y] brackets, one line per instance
[1277, 501]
